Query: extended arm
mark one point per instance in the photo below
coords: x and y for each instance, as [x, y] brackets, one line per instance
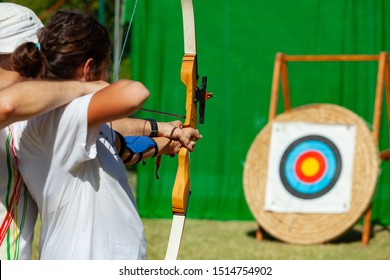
[172, 130]
[133, 149]
[23, 100]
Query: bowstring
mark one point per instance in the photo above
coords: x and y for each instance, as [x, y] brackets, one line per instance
[116, 74]
[116, 71]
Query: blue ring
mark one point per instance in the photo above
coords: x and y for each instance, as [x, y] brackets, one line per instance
[310, 143]
[292, 157]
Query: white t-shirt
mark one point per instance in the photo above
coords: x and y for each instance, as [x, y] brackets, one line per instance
[18, 211]
[80, 185]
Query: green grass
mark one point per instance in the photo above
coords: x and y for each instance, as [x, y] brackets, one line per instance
[235, 240]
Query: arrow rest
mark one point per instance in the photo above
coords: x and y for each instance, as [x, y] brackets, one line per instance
[201, 95]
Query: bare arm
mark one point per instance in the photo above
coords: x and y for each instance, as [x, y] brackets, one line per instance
[26, 99]
[133, 126]
[116, 101]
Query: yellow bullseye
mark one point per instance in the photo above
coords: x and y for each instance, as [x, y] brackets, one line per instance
[310, 166]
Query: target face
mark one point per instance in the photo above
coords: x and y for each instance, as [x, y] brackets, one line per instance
[310, 167]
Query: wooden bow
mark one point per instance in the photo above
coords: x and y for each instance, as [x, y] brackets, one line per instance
[194, 95]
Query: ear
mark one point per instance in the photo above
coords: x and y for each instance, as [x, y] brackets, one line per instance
[88, 66]
[83, 72]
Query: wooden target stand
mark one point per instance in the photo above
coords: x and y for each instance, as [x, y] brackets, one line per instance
[280, 78]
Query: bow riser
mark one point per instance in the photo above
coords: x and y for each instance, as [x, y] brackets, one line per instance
[190, 79]
[181, 187]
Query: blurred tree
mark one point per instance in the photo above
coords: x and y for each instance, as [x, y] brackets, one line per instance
[44, 8]
[102, 9]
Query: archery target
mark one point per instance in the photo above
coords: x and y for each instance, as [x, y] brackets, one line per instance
[293, 223]
[310, 168]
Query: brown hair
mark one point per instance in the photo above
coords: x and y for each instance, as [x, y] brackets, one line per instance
[68, 40]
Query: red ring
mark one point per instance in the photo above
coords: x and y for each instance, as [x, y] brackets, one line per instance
[298, 170]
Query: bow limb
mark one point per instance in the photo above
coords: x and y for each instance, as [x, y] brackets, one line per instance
[181, 187]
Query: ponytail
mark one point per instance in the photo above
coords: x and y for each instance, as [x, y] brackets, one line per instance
[27, 60]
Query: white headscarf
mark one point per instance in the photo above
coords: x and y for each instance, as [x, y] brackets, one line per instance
[18, 25]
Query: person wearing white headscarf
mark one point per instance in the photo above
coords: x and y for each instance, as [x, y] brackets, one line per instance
[20, 100]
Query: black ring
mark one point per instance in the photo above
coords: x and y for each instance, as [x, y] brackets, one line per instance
[331, 184]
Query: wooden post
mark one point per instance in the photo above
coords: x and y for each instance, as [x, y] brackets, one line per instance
[366, 234]
[285, 86]
[387, 88]
[259, 234]
[273, 108]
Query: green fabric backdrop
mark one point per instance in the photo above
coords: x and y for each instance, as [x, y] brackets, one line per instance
[237, 43]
